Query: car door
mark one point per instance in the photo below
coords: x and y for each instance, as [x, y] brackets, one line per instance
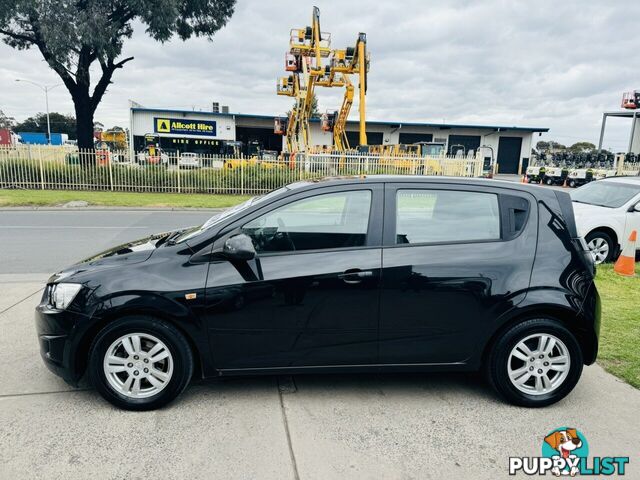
[310, 297]
[454, 258]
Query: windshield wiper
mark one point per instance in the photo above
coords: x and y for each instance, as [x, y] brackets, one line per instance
[595, 204]
[170, 239]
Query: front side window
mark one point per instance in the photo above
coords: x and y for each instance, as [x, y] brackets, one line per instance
[435, 216]
[327, 221]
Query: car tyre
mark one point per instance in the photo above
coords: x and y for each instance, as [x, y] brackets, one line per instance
[499, 365]
[601, 246]
[573, 184]
[154, 333]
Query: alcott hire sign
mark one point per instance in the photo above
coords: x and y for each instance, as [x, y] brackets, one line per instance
[184, 127]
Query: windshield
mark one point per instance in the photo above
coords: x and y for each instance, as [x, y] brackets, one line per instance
[219, 217]
[605, 194]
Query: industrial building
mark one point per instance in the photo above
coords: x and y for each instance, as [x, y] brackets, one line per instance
[209, 132]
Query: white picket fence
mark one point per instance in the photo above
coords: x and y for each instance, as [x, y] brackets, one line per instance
[67, 168]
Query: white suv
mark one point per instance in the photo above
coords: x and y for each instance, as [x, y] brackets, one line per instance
[606, 213]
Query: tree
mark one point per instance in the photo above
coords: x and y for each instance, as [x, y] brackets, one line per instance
[5, 121]
[315, 113]
[314, 107]
[542, 146]
[71, 36]
[581, 147]
[60, 123]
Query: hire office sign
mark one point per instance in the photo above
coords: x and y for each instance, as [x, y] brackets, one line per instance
[180, 126]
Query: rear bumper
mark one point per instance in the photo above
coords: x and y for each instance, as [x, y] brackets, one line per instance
[591, 310]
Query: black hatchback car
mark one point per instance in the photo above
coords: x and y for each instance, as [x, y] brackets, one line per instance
[378, 273]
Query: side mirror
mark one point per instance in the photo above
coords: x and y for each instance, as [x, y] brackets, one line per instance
[636, 207]
[239, 247]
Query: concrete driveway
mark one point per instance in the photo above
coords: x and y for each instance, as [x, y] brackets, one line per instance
[306, 427]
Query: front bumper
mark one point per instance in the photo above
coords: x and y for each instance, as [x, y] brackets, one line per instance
[56, 331]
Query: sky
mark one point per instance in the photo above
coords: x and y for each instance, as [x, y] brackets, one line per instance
[542, 64]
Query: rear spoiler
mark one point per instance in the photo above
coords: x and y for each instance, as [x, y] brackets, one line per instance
[566, 208]
[579, 244]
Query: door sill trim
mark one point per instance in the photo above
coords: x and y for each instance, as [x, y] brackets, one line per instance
[310, 368]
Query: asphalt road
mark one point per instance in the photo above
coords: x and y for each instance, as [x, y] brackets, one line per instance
[302, 427]
[44, 241]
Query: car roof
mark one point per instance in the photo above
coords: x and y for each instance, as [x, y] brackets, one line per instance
[425, 179]
[635, 180]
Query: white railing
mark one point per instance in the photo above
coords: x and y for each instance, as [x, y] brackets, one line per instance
[67, 168]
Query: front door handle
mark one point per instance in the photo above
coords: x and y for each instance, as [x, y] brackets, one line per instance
[355, 275]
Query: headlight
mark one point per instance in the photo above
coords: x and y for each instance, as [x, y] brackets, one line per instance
[62, 294]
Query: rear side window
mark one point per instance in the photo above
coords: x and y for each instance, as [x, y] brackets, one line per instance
[435, 216]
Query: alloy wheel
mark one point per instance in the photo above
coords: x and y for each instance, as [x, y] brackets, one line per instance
[138, 365]
[599, 248]
[538, 364]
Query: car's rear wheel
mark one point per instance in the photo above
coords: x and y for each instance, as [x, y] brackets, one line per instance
[601, 246]
[535, 363]
[140, 363]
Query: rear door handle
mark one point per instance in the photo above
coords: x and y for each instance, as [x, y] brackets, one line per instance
[355, 275]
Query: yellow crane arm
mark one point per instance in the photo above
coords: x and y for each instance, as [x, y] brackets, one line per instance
[360, 59]
[305, 111]
[315, 29]
[290, 135]
[340, 127]
[307, 47]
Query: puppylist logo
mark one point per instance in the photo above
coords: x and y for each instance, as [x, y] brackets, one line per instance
[565, 451]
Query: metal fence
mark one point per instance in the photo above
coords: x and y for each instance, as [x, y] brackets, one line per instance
[67, 168]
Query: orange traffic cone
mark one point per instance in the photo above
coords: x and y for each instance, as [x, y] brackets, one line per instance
[626, 263]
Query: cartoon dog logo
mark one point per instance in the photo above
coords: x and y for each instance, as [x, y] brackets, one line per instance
[564, 442]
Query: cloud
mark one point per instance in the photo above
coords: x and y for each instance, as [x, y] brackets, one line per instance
[545, 63]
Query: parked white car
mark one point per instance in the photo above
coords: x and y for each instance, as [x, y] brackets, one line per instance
[606, 213]
[189, 160]
[120, 159]
[144, 158]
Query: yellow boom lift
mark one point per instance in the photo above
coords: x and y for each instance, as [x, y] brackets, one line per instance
[307, 49]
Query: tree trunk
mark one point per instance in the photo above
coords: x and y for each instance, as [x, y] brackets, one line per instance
[84, 121]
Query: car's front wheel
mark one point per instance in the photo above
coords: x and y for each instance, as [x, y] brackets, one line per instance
[140, 363]
[601, 247]
[535, 363]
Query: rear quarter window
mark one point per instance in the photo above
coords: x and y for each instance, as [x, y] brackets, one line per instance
[515, 214]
